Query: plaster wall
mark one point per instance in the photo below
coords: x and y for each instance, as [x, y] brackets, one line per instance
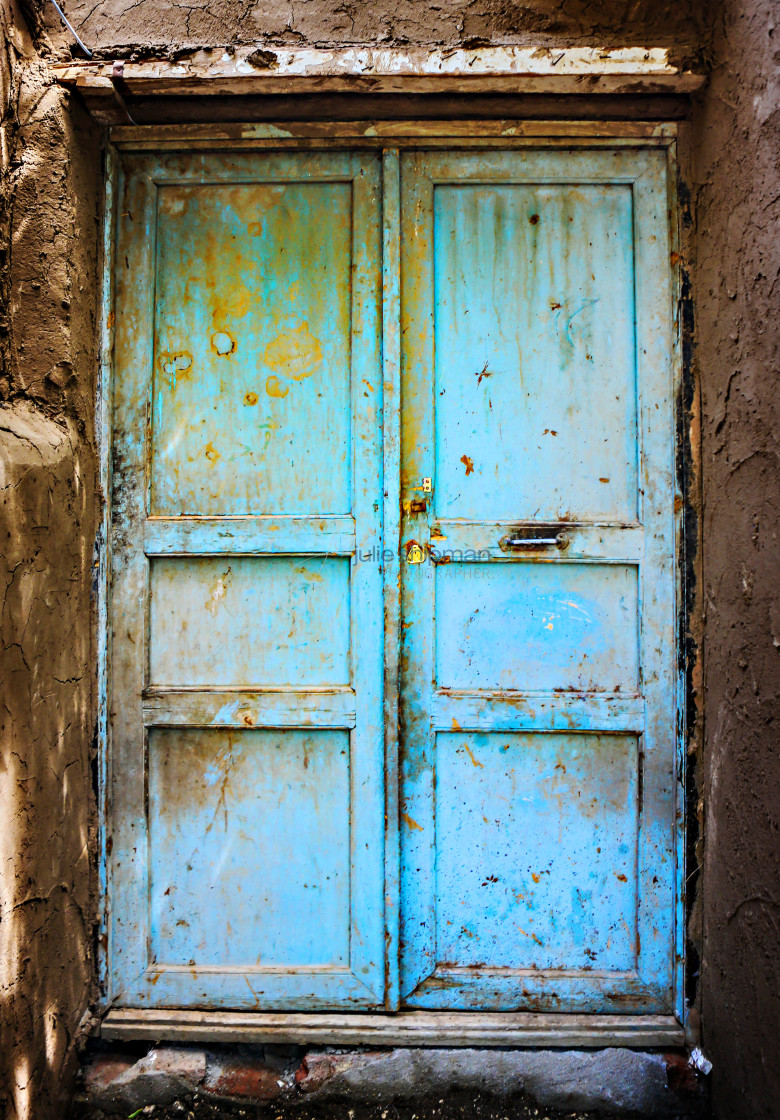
[48, 212]
[49, 502]
[736, 133]
[122, 28]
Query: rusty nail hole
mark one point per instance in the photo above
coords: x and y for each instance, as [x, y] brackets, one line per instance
[223, 343]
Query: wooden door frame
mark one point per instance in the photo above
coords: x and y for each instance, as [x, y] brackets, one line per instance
[411, 1028]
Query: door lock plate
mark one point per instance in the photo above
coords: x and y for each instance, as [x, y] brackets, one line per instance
[415, 554]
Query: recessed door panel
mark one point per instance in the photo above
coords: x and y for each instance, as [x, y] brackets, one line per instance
[274, 620]
[537, 690]
[536, 840]
[252, 349]
[578, 625]
[249, 842]
[535, 377]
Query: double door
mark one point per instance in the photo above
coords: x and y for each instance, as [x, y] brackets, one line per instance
[393, 588]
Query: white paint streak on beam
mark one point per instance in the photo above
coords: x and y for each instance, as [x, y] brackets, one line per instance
[496, 69]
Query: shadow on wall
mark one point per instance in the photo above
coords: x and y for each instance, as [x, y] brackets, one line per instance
[46, 722]
[48, 180]
[736, 160]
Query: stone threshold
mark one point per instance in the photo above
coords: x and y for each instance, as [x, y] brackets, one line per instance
[298, 1081]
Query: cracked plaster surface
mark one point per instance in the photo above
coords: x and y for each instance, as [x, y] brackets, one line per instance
[134, 26]
[47, 527]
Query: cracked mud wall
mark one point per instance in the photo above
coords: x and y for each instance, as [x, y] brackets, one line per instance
[737, 160]
[48, 501]
[48, 227]
[133, 28]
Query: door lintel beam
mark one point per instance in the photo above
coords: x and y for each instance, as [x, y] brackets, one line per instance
[272, 70]
[493, 69]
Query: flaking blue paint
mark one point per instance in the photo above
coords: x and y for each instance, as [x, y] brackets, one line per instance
[253, 850]
[247, 784]
[537, 700]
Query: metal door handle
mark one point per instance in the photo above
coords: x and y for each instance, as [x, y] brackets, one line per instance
[514, 542]
[560, 540]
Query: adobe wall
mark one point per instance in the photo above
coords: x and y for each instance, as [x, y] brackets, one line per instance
[49, 503]
[121, 28]
[736, 168]
[48, 211]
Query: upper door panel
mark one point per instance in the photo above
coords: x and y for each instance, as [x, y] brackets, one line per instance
[252, 349]
[534, 356]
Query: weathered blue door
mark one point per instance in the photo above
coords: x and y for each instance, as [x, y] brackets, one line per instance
[247, 746]
[538, 686]
[254, 588]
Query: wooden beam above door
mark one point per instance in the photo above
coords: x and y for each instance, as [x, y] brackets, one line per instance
[266, 69]
[505, 133]
[270, 69]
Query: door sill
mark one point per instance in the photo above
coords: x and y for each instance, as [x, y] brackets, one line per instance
[406, 1028]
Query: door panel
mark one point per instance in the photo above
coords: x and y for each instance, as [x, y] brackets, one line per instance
[534, 351]
[578, 624]
[246, 726]
[276, 620]
[252, 347]
[537, 810]
[537, 701]
[221, 892]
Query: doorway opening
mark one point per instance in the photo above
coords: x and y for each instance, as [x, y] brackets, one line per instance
[394, 588]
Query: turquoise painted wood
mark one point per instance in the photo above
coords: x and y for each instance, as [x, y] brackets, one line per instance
[537, 696]
[393, 709]
[247, 703]
[528, 857]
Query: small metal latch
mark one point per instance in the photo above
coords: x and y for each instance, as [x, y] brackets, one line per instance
[414, 553]
[551, 539]
[427, 486]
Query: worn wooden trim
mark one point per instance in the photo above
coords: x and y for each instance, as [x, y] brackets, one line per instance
[239, 708]
[102, 558]
[391, 538]
[144, 81]
[404, 144]
[681, 582]
[411, 133]
[407, 1028]
[494, 69]
[480, 541]
[532, 711]
[235, 536]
